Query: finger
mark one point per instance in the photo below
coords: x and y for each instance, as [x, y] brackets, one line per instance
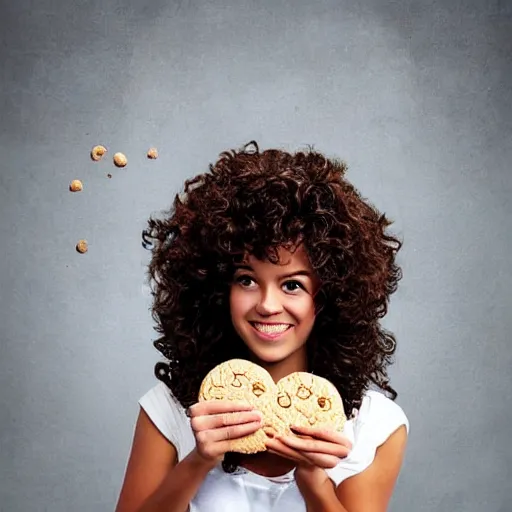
[227, 433]
[278, 448]
[309, 458]
[315, 446]
[217, 407]
[324, 434]
[322, 460]
[287, 456]
[214, 421]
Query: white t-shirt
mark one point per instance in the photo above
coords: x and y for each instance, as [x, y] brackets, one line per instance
[245, 491]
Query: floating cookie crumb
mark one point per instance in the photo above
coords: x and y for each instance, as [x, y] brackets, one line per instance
[97, 152]
[120, 160]
[109, 175]
[152, 153]
[76, 186]
[82, 246]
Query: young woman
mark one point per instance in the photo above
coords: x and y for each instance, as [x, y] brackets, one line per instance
[275, 258]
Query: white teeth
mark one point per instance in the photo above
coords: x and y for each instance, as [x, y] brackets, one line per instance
[271, 328]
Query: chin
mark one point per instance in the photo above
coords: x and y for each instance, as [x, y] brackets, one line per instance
[269, 359]
[274, 355]
[269, 355]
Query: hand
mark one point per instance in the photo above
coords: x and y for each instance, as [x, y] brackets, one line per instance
[215, 423]
[318, 447]
[311, 478]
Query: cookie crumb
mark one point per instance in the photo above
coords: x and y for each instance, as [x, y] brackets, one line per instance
[76, 186]
[109, 175]
[82, 246]
[120, 160]
[152, 153]
[97, 152]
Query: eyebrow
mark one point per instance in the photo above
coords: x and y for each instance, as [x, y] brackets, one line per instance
[283, 276]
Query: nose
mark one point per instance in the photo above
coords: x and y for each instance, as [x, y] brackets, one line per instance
[269, 303]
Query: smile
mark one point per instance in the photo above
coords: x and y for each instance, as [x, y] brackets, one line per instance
[270, 330]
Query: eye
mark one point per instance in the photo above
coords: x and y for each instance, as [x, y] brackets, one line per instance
[258, 389]
[244, 281]
[293, 286]
[303, 392]
[324, 403]
[284, 400]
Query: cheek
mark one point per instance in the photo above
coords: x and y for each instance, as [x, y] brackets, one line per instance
[239, 303]
[304, 310]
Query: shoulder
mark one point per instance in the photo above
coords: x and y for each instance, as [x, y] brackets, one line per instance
[169, 417]
[378, 418]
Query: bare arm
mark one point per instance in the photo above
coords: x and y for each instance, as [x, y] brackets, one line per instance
[156, 482]
[371, 490]
[153, 475]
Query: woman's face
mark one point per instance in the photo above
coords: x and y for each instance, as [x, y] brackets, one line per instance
[273, 310]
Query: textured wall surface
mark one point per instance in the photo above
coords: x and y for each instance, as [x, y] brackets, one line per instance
[416, 97]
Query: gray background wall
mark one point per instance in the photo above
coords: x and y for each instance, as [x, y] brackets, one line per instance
[414, 95]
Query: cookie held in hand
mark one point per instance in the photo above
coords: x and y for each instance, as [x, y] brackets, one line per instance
[297, 399]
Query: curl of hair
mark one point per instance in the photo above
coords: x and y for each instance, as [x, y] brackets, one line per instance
[253, 202]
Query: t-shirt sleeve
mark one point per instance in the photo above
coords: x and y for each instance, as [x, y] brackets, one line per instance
[378, 418]
[169, 417]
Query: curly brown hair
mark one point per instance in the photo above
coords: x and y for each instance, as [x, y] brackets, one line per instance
[253, 202]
